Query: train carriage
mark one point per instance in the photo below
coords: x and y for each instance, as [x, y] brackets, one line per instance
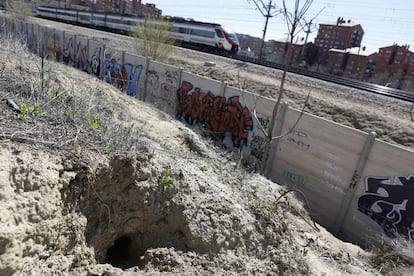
[203, 35]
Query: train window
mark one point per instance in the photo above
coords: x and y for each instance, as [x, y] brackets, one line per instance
[230, 34]
[130, 22]
[113, 20]
[203, 33]
[84, 17]
[219, 33]
[180, 30]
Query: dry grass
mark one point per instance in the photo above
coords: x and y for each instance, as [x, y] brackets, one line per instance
[69, 114]
[393, 256]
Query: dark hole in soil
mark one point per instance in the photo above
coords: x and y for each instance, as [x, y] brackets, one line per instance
[119, 255]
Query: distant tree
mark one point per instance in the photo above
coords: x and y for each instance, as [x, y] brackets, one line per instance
[153, 38]
[19, 8]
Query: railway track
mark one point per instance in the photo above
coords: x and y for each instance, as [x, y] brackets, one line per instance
[369, 87]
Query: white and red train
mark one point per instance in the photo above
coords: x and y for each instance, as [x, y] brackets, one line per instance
[209, 36]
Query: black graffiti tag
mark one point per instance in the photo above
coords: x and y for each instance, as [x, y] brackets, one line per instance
[390, 203]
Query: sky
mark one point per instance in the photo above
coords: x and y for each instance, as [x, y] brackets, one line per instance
[384, 22]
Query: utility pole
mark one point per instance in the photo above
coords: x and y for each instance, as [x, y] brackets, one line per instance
[308, 31]
[266, 11]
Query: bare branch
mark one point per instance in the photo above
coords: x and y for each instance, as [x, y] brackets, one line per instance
[307, 205]
[297, 121]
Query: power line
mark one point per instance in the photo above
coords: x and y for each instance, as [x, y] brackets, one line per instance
[268, 11]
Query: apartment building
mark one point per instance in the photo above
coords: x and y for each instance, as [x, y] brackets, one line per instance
[397, 64]
[277, 49]
[410, 72]
[356, 63]
[337, 35]
[250, 42]
[127, 7]
[394, 58]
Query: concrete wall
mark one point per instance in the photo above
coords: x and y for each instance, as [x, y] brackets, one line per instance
[358, 187]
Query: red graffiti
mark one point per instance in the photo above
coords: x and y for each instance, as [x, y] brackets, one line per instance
[116, 74]
[217, 114]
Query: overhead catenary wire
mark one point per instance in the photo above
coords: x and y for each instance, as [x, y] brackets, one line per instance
[384, 22]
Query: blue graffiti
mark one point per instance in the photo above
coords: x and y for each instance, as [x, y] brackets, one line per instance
[133, 75]
[124, 77]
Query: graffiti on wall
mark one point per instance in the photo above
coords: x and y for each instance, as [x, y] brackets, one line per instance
[31, 39]
[295, 178]
[224, 118]
[53, 46]
[389, 201]
[257, 146]
[81, 58]
[124, 77]
[298, 138]
[96, 62]
[77, 56]
[68, 56]
[163, 87]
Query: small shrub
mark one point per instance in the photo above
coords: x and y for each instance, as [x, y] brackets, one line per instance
[93, 122]
[254, 189]
[165, 179]
[273, 207]
[27, 110]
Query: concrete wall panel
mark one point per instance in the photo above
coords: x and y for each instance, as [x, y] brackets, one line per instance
[162, 85]
[384, 202]
[94, 56]
[112, 67]
[133, 75]
[327, 160]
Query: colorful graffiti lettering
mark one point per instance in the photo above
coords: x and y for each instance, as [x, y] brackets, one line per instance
[389, 201]
[115, 74]
[222, 117]
[133, 73]
[124, 77]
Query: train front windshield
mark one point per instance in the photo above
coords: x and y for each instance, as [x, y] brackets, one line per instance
[230, 34]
